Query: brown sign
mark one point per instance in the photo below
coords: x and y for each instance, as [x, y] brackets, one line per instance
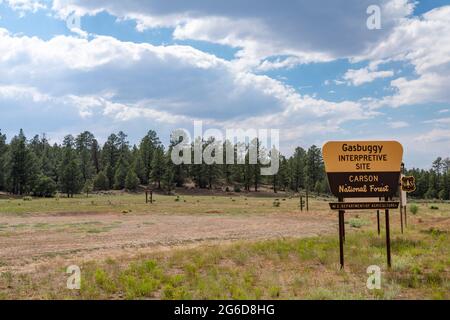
[408, 184]
[360, 169]
[363, 205]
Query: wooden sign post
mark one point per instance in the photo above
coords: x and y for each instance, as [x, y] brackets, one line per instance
[363, 169]
[307, 198]
[402, 204]
[408, 185]
[147, 192]
[378, 219]
[378, 222]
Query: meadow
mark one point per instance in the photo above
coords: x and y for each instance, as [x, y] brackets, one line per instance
[215, 246]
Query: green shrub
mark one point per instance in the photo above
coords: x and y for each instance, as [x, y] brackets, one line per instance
[101, 181]
[357, 223]
[131, 181]
[88, 187]
[274, 292]
[44, 187]
[414, 209]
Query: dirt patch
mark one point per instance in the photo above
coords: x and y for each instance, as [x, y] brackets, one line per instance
[78, 237]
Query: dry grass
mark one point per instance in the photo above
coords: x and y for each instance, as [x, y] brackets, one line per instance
[135, 203]
[274, 269]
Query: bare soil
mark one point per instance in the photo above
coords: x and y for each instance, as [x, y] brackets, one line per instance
[30, 242]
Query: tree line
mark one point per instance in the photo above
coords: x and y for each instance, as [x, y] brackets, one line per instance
[81, 164]
[433, 183]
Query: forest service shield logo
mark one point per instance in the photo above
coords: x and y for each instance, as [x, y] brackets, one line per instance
[408, 184]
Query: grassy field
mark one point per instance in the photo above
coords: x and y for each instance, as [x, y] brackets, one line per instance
[279, 268]
[180, 204]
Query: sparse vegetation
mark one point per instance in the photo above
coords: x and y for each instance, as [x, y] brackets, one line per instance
[357, 222]
[286, 269]
[270, 269]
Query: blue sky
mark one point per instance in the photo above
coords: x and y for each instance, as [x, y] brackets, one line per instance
[309, 68]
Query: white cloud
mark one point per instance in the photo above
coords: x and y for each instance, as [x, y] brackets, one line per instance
[305, 32]
[107, 81]
[104, 78]
[398, 124]
[285, 63]
[429, 87]
[425, 43]
[13, 92]
[434, 136]
[365, 75]
[23, 6]
[439, 121]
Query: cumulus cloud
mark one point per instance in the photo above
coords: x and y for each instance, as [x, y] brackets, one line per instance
[24, 6]
[357, 77]
[105, 78]
[398, 124]
[424, 42]
[434, 136]
[308, 31]
[107, 81]
[445, 121]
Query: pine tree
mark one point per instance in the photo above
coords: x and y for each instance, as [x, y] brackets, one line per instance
[179, 171]
[101, 181]
[95, 156]
[131, 181]
[48, 160]
[432, 192]
[227, 167]
[444, 193]
[314, 167]
[139, 168]
[83, 144]
[212, 169]
[3, 153]
[247, 171]
[280, 179]
[446, 165]
[21, 166]
[147, 148]
[88, 187]
[297, 169]
[255, 145]
[284, 173]
[124, 146]
[121, 174]
[70, 174]
[44, 187]
[110, 155]
[168, 175]
[110, 176]
[158, 166]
